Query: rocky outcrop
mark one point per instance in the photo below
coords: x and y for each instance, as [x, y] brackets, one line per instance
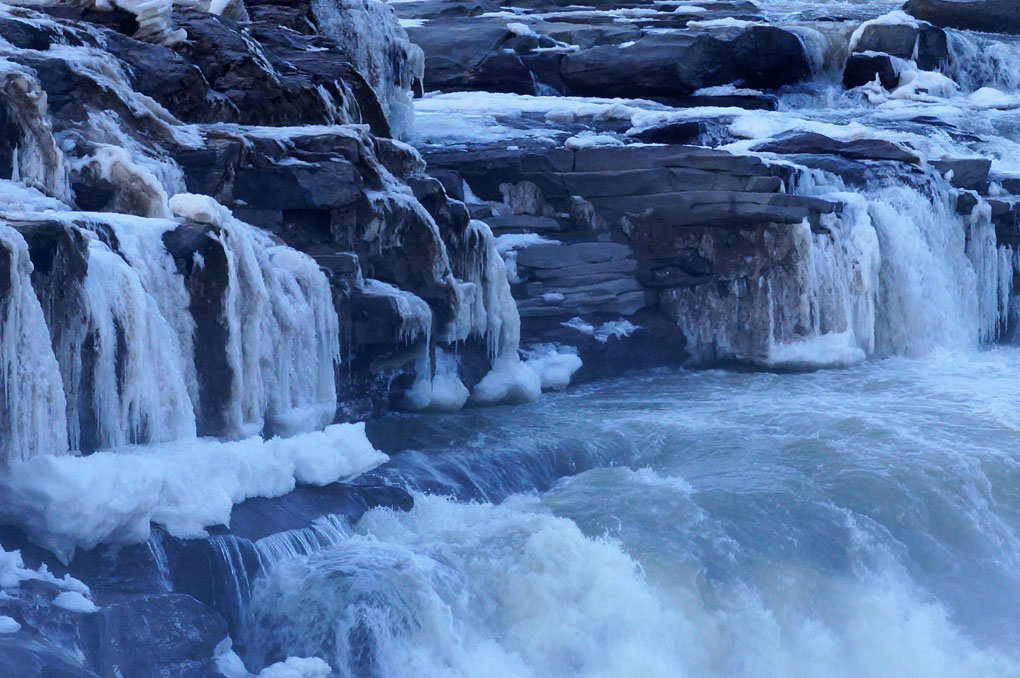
[649, 233]
[279, 126]
[663, 56]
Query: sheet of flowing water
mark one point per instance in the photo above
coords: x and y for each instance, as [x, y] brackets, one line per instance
[857, 522]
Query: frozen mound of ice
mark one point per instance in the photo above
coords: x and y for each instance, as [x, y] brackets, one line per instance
[112, 496]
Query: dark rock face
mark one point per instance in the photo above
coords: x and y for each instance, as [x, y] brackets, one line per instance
[122, 632]
[667, 235]
[260, 73]
[759, 57]
[967, 173]
[996, 16]
[60, 260]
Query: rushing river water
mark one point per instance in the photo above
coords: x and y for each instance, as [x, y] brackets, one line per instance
[857, 522]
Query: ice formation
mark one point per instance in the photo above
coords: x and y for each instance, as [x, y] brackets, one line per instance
[32, 420]
[369, 31]
[112, 496]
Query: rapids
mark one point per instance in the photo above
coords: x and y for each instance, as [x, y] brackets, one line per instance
[854, 522]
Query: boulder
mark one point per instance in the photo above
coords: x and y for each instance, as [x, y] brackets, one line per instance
[925, 44]
[153, 635]
[992, 16]
[677, 64]
[967, 173]
[862, 69]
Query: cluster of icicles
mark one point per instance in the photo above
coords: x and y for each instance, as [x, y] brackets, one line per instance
[282, 346]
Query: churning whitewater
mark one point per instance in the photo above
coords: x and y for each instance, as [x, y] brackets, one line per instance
[847, 523]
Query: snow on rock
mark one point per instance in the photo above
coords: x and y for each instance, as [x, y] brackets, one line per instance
[155, 23]
[613, 328]
[112, 496]
[198, 208]
[591, 140]
[297, 667]
[509, 381]
[511, 241]
[13, 572]
[895, 18]
[72, 601]
[8, 625]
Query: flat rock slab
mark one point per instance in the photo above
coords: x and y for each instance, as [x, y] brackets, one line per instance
[858, 149]
[560, 256]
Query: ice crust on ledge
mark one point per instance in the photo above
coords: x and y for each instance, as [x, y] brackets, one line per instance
[112, 496]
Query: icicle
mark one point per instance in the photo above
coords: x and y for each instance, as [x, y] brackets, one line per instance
[139, 391]
[32, 419]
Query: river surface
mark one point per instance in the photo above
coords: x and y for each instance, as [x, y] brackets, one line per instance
[856, 522]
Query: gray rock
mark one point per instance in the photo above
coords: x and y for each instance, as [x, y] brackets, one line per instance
[926, 44]
[859, 149]
[326, 186]
[521, 223]
[677, 64]
[728, 209]
[599, 268]
[146, 635]
[968, 173]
